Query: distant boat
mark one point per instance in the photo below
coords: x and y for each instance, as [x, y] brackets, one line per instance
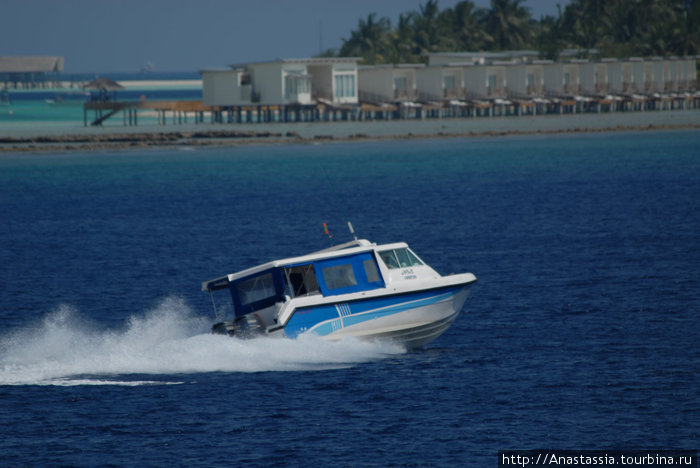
[357, 289]
[148, 67]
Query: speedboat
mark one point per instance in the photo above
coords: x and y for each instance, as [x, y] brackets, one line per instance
[356, 289]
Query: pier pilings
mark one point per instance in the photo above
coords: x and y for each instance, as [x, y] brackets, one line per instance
[184, 112]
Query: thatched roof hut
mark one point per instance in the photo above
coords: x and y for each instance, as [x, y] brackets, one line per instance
[101, 87]
[103, 84]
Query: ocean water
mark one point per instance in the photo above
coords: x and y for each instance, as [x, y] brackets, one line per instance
[582, 332]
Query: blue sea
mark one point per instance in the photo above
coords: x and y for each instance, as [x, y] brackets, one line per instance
[582, 332]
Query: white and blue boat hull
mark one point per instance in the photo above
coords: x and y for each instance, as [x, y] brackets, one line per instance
[412, 319]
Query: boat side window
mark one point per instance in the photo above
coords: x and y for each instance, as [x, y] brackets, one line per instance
[399, 258]
[339, 276]
[371, 270]
[301, 280]
[255, 289]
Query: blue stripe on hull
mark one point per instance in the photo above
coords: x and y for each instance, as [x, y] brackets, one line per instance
[326, 319]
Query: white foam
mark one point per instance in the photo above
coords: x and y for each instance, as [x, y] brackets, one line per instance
[67, 349]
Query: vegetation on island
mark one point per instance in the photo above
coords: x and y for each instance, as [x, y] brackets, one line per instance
[602, 28]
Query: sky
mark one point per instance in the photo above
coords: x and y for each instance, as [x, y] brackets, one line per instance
[191, 35]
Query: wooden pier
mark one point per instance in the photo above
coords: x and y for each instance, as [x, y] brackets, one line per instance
[179, 110]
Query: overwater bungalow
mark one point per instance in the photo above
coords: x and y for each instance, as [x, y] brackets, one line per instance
[451, 85]
[616, 84]
[593, 78]
[638, 76]
[269, 90]
[486, 81]
[687, 76]
[440, 82]
[388, 83]
[654, 75]
[526, 80]
[561, 79]
[670, 74]
[30, 72]
[283, 82]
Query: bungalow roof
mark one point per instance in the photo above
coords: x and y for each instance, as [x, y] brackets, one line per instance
[19, 64]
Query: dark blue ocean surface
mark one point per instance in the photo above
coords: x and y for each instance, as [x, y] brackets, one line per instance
[582, 332]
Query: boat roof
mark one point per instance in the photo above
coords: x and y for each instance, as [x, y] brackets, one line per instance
[348, 248]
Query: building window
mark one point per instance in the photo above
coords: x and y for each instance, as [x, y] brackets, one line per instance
[290, 86]
[449, 82]
[493, 81]
[295, 85]
[345, 85]
[400, 83]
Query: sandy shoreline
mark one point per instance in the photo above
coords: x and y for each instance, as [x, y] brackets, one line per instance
[60, 139]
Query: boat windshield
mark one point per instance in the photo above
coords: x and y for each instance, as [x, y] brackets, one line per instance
[399, 258]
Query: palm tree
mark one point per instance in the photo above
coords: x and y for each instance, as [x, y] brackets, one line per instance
[464, 21]
[620, 28]
[401, 41]
[659, 27]
[549, 36]
[368, 41]
[582, 23]
[508, 24]
[688, 13]
[428, 36]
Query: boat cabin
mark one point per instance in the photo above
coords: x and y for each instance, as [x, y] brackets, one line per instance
[354, 267]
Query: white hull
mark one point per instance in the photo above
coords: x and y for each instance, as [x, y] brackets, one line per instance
[411, 328]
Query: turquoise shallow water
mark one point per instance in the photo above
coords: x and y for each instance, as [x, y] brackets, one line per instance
[35, 113]
[28, 110]
[581, 332]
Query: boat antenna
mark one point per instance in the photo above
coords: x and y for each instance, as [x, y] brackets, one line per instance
[339, 201]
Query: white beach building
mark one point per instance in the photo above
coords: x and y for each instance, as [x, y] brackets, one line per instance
[670, 74]
[526, 80]
[687, 74]
[440, 82]
[654, 75]
[388, 83]
[562, 78]
[638, 74]
[486, 81]
[629, 84]
[593, 78]
[616, 83]
[283, 82]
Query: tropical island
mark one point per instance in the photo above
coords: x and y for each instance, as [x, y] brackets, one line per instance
[586, 28]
